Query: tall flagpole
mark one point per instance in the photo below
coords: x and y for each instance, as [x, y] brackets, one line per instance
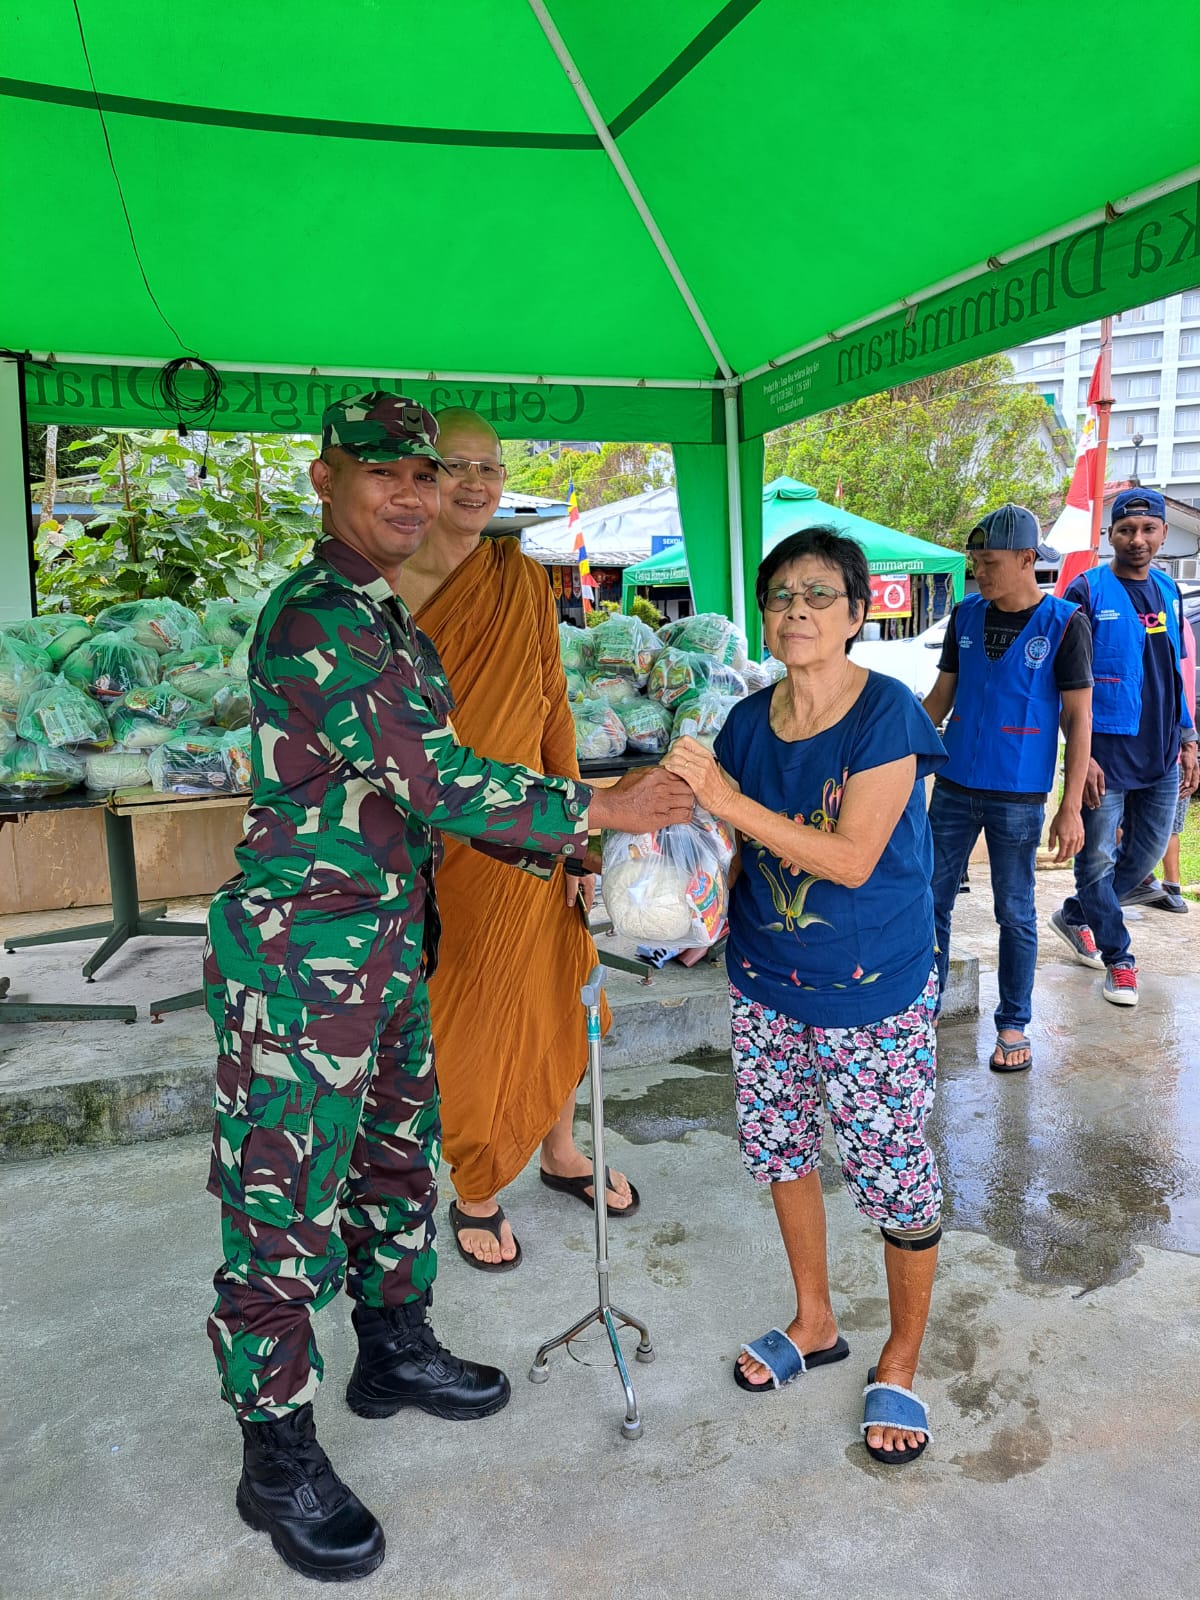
[1104, 401]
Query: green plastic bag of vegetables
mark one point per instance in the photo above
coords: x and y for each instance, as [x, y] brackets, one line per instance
[144, 718]
[57, 633]
[54, 712]
[20, 663]
[158, 625]
[231, 706]
[198, 673]
[34, 771]
[110, 664]
[228, 622]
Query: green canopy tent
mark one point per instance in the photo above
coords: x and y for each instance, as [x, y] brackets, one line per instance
[789, 506]
[308, 198]
[665, 569]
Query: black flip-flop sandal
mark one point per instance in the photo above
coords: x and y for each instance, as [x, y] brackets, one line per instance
[459, 1220]
[579, 1187]
[1007, 1048]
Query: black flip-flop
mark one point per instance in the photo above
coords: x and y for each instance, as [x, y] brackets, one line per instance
[1010, 1047]
[460, 1220]
[579, 1187]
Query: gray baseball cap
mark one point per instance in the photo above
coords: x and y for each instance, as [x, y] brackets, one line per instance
[1010, 528]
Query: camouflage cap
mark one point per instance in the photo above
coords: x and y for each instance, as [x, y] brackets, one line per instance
[378, 426]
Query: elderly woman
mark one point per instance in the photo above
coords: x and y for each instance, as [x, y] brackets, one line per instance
[833, 988]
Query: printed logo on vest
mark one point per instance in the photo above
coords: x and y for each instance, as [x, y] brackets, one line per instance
[1036, 651]
[964, 642]
[1108, 615]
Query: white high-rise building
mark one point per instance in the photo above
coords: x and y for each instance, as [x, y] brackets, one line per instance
[1155, 385]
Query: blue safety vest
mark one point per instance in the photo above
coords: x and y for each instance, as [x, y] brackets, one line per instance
[1118, 644]
[1003, 731]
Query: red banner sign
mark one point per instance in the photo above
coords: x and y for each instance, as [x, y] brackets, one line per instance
[891, 597]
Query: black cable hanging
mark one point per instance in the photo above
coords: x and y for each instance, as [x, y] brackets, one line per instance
[191, 411]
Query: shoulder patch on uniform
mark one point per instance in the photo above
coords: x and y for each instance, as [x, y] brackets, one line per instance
[374, 655]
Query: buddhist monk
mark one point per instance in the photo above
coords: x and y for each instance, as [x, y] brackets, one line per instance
[508, 1028]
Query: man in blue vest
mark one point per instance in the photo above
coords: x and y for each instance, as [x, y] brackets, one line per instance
[1015, 665]
[1141, 729]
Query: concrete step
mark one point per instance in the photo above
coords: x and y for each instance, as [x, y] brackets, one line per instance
[66, 1085]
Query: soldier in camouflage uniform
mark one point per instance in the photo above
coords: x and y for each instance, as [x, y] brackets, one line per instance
[315, 979]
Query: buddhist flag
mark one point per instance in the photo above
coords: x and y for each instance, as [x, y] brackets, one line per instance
[587, 584]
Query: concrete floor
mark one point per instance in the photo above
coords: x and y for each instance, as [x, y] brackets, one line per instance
[1064, 1332]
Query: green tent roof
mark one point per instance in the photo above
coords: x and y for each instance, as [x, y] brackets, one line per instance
[789, 507]
[747, 212]
[322, 186]
[663, 568]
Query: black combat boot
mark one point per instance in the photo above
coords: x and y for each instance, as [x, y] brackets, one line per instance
[289, 1490]
[400, 1363]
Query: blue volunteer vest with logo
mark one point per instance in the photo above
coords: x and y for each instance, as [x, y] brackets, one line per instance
[1118, 643]
[1003, 731]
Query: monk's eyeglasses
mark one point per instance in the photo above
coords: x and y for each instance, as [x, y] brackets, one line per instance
[817, 595]
[489, 471]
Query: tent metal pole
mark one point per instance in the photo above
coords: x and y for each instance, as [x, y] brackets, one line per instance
[567, 62]
[18, 597]
[733, 479]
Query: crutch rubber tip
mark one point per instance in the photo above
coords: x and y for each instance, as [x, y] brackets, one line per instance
[632, 1430]
[539, 1374]
[645, 1356]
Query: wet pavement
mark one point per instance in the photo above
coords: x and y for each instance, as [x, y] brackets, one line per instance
[1064, 1329]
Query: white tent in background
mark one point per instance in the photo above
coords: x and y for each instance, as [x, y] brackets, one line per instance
[615, 535]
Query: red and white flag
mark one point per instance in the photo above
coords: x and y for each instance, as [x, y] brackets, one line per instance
[1073, 530]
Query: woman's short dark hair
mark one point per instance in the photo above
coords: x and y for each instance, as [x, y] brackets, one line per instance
[836, 550]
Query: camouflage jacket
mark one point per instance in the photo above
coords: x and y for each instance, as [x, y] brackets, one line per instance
[355, 766]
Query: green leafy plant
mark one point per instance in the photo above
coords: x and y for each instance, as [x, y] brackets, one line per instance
[931, 457]
[646, 611]
[163, 530]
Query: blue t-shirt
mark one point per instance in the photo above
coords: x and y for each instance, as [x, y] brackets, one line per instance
[817, 951]
[1136, 760]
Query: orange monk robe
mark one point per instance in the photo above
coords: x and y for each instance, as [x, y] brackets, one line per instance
[509, 1032]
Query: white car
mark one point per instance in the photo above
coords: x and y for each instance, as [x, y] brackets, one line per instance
[913, 661]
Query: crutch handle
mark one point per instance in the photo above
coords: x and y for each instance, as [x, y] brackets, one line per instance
[590, 993]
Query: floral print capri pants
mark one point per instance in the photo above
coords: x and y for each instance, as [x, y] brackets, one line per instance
[877, 1082]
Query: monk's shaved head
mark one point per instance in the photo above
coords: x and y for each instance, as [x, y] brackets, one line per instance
[471, 448]
[456, 421]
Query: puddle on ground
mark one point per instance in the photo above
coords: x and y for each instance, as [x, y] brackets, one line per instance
[676, 1106]
[1077, 1167]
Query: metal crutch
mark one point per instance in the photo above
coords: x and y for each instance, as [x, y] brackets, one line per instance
[605, 1312]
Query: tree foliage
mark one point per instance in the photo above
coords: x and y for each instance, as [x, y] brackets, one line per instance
[616, 471]
[929, 458]
[35, 443]
[164, 530]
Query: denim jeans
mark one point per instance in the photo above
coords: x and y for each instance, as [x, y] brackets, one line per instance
[1105, 871]
[1012, 829]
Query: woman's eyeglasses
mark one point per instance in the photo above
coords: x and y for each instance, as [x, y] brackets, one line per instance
[489, 471]
[817, 595]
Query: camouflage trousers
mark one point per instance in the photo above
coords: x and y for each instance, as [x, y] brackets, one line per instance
[324, 1115]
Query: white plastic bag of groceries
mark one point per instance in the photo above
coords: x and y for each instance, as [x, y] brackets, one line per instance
[669, 887]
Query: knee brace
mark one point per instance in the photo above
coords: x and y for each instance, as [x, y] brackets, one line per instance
[922, 1239]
